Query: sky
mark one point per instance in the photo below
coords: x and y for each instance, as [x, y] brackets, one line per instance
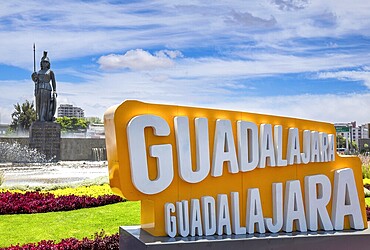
[297, 58]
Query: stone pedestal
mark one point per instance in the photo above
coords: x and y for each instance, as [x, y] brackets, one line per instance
[45, 138]
[135, 238]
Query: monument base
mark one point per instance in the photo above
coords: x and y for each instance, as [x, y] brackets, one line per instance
[45, 138]
[133, 237]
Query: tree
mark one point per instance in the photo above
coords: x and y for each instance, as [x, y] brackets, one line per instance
[93, 120]
[341, 141]
[23, 116]
[365, 148]
[72, 124]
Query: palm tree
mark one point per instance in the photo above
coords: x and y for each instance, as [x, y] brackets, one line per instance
[23, 116]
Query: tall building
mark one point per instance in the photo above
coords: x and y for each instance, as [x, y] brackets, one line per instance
[363, 131]
[69, 110]
[352, 132]
[360, 132]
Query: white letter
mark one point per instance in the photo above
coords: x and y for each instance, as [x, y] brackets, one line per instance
[293, 207]
[317, 197]
[278, 142]
[195, 218]
[277, 209]
[170, 221]
[267, 151]
[183, 217]
[209, 215]
[345, 200]
[248, 145]
[294, 147]
[224, 149]
[331, 148]
[306, 155]
[324, 145]
[235, 214]
[315, 148]
[184, 151]
[223, 215]
[138, 157]
[254, 212]
[202, 147]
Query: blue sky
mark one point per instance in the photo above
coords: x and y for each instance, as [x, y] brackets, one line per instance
[296, 58]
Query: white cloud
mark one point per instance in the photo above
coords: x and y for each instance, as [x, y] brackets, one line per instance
[327, 108]
[13, 92]
[261, 64]
[169, 53]
[139, 60]
[352, 75]
[248, 21]
[260, 38]
[76, 28]
[291, 5]
[106, 90]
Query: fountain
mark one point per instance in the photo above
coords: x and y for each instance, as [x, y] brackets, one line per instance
[17, 153]
[24, 167]
[39, 163]
[98, 154]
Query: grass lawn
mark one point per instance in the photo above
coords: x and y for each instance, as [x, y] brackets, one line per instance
[32, 228]
[29, 228]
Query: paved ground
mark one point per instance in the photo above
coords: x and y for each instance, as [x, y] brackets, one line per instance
[43, 174]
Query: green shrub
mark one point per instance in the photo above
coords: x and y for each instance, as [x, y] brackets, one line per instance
[365, 159]
[365, 171]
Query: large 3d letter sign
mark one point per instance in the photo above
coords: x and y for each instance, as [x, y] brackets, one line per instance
[202, 172]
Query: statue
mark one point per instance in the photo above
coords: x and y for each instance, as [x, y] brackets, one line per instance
[45, 90]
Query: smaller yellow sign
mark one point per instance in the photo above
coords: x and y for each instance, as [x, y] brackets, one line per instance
[201, 171]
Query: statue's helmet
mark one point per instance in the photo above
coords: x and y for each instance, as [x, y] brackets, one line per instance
[45, 58]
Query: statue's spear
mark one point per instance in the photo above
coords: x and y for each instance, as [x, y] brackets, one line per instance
[36, 81]
[34, 57]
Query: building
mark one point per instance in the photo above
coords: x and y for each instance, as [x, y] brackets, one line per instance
[69, 110]
[363, 145]
[360, 132]
[352, 132]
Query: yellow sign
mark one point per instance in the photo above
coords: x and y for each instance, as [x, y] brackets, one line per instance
[202, 171]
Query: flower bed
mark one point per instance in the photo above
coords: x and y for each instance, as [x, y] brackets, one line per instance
[36, 202]
[90, 190]
[100, 242]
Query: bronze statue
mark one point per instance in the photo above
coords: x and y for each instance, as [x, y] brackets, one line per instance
[45, 90]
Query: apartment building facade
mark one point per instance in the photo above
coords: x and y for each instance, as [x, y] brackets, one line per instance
[69, 110]
[352, 133]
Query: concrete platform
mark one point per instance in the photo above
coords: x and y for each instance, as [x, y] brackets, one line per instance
[133, 237]
[45, 137]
